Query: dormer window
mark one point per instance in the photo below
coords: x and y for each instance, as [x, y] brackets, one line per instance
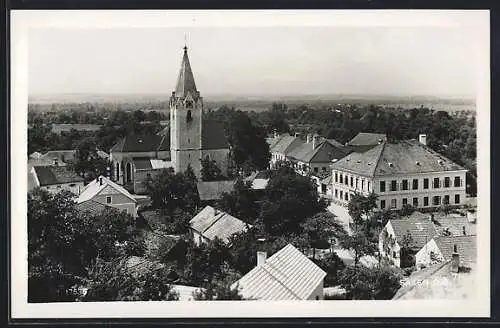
[189, 118]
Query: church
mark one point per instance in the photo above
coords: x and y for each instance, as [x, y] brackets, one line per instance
[191, 138]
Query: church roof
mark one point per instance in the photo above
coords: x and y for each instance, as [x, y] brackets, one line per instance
[185, 81]
[213, 135]
[146, 143]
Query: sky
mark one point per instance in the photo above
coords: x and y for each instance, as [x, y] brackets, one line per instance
[255, 60]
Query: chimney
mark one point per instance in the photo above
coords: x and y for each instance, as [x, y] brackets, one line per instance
[261, 253]
[261, 258]
[100, 181]
[422, 138]
[315, 141]
[455, 262]
[308, 138]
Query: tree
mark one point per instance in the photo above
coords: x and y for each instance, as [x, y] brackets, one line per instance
[321, 228]
[333, 266]
[378, 283]
[407, 252]
[406, 210]
[359, 244]
[63, 243]
[220, 290]
[113, 281]
[249, 148]
[241, 202]
[210, 171]
[361, 207]
[88, 164]
[289, 199]
[170, 191]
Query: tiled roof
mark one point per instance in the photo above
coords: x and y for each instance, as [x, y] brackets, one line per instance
[285, 144]
[213, 135]
[94, 187]
[93, 207]
[213, 190]
[211, 223]
[324, 152]
[286, 275]
[366, 139]
[335, 143]
[466, 248]
[145, 143]
[404, 157]
[53, 175]
[421, 229]
[454, 224]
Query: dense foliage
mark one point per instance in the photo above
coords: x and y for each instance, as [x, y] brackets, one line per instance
[63, 243]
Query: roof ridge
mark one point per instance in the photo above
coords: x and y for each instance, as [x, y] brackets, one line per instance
[382, 148]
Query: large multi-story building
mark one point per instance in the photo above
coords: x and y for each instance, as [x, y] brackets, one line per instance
[405, 172]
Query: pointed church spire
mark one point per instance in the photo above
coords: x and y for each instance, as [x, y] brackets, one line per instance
[185, 81]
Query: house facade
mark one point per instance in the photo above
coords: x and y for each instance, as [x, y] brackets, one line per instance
[412, 232]
[104, 191]
[402, 173]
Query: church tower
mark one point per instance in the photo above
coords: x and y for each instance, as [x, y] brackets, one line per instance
[186, 111]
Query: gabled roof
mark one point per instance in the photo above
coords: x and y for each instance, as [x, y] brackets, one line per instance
[54, 175]
[286, 275]
[213, 190]
[325, 152]
[185, 81]
[95, 187]
[285, 144]
[466, 248]
[211, 223]
[92, 207]
[403, 157]
[421, 230]
[145, 143]
[259, 179]
[213, 135]
[367, 139]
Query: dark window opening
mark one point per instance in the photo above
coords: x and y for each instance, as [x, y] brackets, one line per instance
[426, 183]
[415, 184]
[457, 199]
[108, 199]
[189, 118]
[446, 182]
[382, 186]
[457, 182]
[393, 185]
[405, 185]
[382, 204]
[405, 201]
[436, 183]
[426, 201]
[415, 201]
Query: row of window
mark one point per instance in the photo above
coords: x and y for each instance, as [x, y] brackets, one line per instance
[340, 194]
[405, 184]
[353, 182]
[436, 201]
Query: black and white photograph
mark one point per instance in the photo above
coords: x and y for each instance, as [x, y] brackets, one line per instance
[289, 163]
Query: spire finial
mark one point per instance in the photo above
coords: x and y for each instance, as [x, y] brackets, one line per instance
[185, 42]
